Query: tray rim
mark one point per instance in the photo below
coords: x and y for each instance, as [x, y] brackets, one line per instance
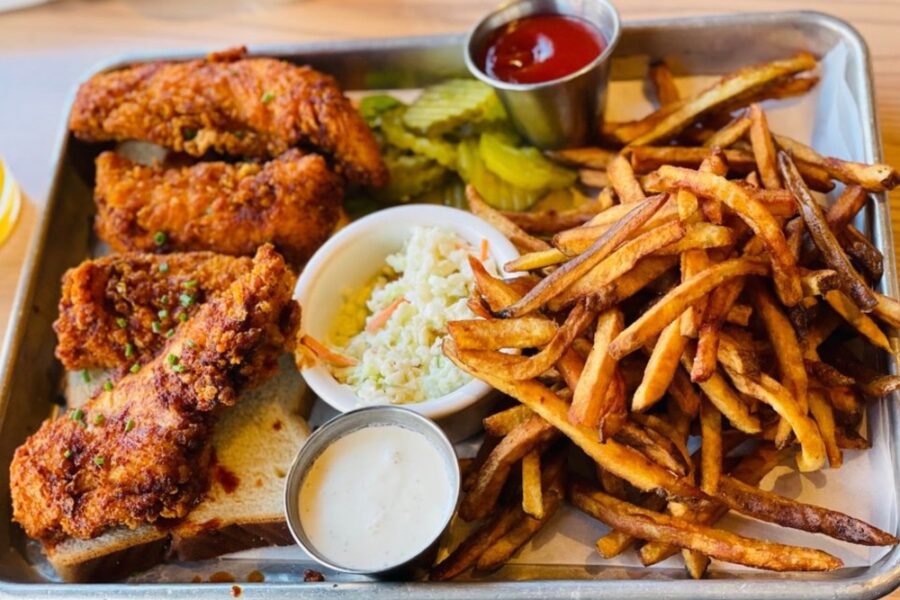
[872, 582]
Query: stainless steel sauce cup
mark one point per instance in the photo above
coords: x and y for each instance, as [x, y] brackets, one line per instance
[560, 113]
[345, 424]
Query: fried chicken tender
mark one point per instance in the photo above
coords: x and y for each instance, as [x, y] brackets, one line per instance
[292, 201]
[140, 452]
[120, 310]
[240, 106]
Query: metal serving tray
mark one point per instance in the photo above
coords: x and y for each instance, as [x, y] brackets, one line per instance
[29, 380]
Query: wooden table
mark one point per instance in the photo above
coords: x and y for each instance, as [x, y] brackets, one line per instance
[44, 50]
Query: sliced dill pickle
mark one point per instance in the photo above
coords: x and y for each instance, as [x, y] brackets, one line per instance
[411, 175]
[524, 167]
[449, 104]
[441, 151]
[495, 191]
[372, 107]
[450, 193]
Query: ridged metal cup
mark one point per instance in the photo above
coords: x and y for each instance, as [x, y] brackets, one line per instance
[345, 424]
[564, 112]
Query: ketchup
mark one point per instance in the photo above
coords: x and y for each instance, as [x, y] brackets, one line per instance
[540, 48]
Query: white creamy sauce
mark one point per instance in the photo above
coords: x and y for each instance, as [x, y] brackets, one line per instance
[375, 497]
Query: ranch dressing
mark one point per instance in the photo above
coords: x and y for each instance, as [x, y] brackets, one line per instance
[375, 498]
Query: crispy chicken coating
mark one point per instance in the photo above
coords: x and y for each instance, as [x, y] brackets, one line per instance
[140, 452]
[120, 310]
[231, 104]
[292, 201]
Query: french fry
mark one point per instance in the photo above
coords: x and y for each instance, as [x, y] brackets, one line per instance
[645, 159]
[822, 412]
[760, 220]
[724, 398]
[844, 209]
[623, 181]
[652, 445]
[593, 178]
[576, 268]
[888, 310]
[532, 500]
[482, 497]
[532, 261]
[863, 252]
[663, 83]
[770, 507]
[645, 272]
[710, 448]
[717, 543]
[728, 88]
[700, 236]
[622, 260]
[578, 240]
[619, 460]
[589, 394]
[616, 542]
[725, 137]
[518, 236]
[553, 221]
[676, 301]
[872, 178]
[845, 307]
[739, 314]
[589, 157]
[661, 367]
[494, 334]
[686, 397]
[720, 302]
[763, 148]
[501, 423]
[851, 281]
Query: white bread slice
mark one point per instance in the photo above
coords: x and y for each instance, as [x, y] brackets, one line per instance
[255, 443]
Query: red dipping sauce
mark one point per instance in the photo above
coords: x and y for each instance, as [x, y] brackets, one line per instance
[540, 48]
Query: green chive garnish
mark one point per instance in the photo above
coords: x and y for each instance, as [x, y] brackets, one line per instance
[164, 299]
[135, 367]
[129, 425]
[163, 267]
[129, 350]
[159, 238]
[182, 316]
[155, 327]
[122, 322]
[267, 97]
[77, 414]
[178, 368]
[99, 419]
[163, 314]
[67, 454]
[86, 376]
[108, 386]
[170, 333]
[171, 359]
[189, 284]
[188, 134]
[186, 300]
[99, 460]
[191, 344]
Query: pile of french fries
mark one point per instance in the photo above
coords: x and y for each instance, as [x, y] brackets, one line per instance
[706, 292]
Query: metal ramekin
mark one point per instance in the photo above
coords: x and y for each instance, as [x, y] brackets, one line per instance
[337, 428]
[564, 112]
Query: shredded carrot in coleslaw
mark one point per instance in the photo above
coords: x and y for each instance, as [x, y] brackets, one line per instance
[381, 318]
[327, 354]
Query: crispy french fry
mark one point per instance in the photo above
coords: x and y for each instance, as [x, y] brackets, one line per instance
[645, 159]
[532, 261]
[888, 310]
[863, 252]
[593, 178]
[663, 83]
[717, 543]
[469, 550]
[524, 332]
[553, 221]
[851, 281]
[770, 507]
[619, 460]
[721, 301]
[501, 423]
[686, 397]
[845, 307]
[739, 314]
[623, 181]
[755, 214]
[725, 398]
[661, 367]
[532, 500]
[872, 178]
[728, 88]
[763, 148]
[676, 301]
[652, 445]
[587, 401]
[482, 497]
[822, 412]
[518, 236]
[844, 209]
[710, 448]
[589, 157]
[725, 137]
[616, 542]
[573, 270]
[700, 236]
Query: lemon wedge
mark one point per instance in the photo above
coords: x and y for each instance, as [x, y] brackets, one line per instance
[10, 202]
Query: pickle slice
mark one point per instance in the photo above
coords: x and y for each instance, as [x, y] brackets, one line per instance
[372, 107]
[411, 175]
[523, 167]
[441, 151]
[449, 104]
[451, 193]
[495, 191]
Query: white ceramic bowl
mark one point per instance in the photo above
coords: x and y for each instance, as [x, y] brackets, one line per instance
[351, 258]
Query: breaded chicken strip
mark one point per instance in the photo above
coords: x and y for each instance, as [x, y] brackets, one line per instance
[140, 452]
[120, 310]
[231, 104]
[293, 201]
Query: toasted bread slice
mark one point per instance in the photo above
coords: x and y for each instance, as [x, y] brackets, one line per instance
[255, 443]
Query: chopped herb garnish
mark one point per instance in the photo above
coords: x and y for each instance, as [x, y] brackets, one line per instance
[99, 419]
[172, 359]
[189, 284]
[160, 237]
[129, 350]
[163, 267]
[178, 368]
[129, 425]
[239, 135]
[163, 314]
[170, 333]
[122, 322]
[135, 367]
[99, 461]
[67, 454]
[155, 327]
[182, 316]
[86, 376]
[186, 299]
[164, 299]
[267, 97]
[108, 386]
[188, 134]
[77, 414]
[191, 344]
